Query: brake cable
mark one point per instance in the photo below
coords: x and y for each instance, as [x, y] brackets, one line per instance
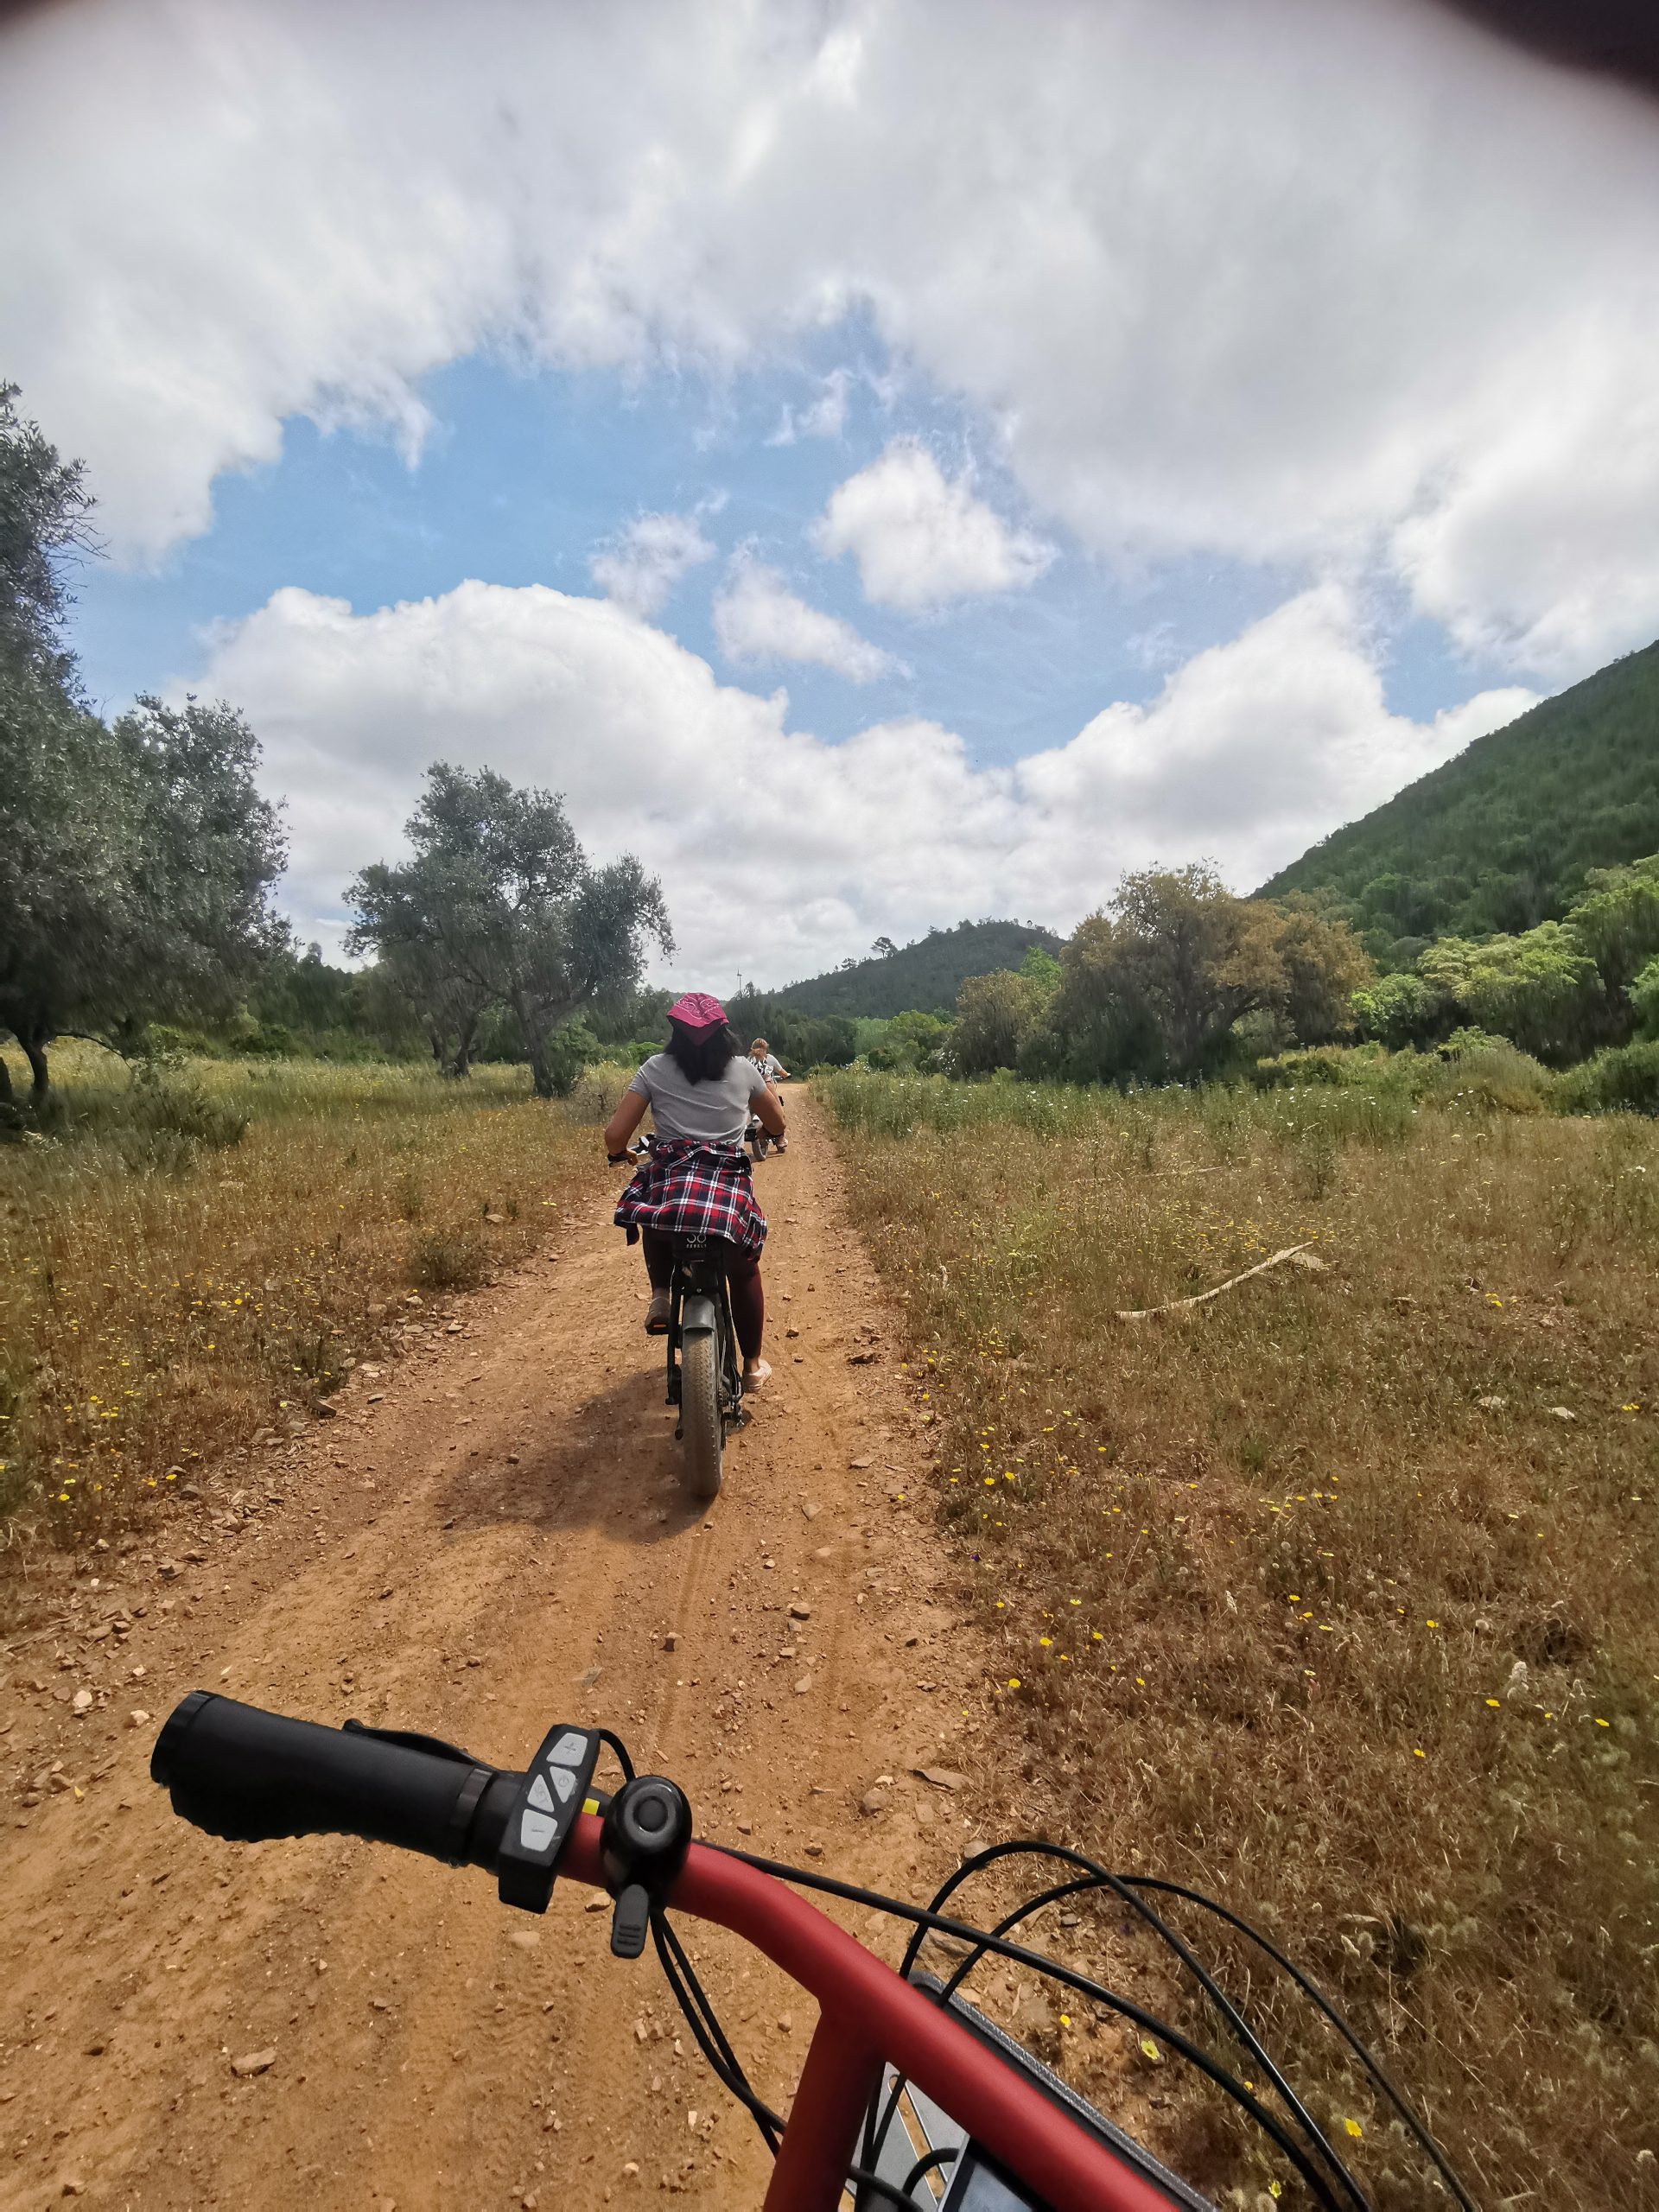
[1225, 2080]
[1315, 1996]
[1098, 1878]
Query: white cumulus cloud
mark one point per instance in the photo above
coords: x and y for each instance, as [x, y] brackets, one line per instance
[781, 854]
[758, 618]
[922, 538]
[1252, 750]
[644, 560]
[1288, 282]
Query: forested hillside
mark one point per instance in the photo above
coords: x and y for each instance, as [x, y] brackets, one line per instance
[926, 975]
[1501, 838]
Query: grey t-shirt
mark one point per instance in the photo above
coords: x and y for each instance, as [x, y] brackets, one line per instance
[714, 1112]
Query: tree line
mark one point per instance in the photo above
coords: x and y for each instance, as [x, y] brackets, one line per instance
[1178, 978]
[1560, 991]
[139, 860]
[1170, 981]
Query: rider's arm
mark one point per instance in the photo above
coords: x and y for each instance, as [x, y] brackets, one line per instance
[623, 1124]
[768, 1112]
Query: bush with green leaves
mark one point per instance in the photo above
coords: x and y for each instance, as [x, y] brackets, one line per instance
[1624, 1078]
[912, 1043]
[1643, 996]
[1398, 1011]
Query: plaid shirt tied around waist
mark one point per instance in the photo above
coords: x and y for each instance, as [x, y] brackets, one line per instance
[688, 1189]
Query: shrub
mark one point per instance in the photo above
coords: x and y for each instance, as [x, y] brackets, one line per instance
[592, 1096]
[1625, 1077]
[449, 1260]
[185, 1110]
[912, 1043]
[1464, 1041]
[1397, 1010]
[1322, 1064]
[1487, 1072]
[1643, 996]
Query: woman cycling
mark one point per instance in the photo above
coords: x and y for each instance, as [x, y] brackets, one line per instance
[696, 1180]
[773, 1070]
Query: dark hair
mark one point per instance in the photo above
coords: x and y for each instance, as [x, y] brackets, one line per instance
[702, 1055]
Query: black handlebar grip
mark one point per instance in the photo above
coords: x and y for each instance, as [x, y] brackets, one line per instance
[247, 1775]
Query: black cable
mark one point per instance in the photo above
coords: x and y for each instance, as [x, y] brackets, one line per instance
[621, 1750]
[730, 2074]
[1425, 2141]
[693, 2000]
[1012, 1920]
[1240, 2028]
[876, 2128]
[688, 1973]
[723, 2060]
[949, 1989]
[866, 2178]
[925, 2164]
[1228, 2082]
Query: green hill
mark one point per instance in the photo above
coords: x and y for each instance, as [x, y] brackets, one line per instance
[1500, 837]
[925, 976]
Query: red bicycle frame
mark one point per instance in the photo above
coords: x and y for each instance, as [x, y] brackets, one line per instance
[869, 2014]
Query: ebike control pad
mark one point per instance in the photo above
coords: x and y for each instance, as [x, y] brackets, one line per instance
[550, 1797]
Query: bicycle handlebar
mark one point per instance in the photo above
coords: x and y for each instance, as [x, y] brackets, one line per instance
[248, 1776]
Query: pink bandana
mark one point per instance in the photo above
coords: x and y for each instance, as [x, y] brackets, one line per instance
[697, 1010]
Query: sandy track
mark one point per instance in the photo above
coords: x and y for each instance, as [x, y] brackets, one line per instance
[500, 1541]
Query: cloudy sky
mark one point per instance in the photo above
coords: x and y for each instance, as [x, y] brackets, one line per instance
[884, 461]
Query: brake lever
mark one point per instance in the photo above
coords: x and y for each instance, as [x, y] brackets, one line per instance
[413, 1741]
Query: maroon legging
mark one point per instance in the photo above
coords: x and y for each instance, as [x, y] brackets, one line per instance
[742, 1281]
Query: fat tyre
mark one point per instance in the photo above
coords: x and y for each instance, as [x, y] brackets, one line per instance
[701, 1424]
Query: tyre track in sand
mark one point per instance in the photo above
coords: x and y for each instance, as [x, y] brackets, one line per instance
[497, 1542]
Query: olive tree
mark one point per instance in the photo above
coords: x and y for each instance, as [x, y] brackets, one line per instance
[1154, 986]
[137, 859]
[136, 864]
[499, 906]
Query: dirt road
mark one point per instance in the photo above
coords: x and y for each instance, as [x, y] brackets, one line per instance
[488, 1537]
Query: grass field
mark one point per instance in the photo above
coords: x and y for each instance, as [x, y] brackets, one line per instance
[186, 1262]
[1335, 1596]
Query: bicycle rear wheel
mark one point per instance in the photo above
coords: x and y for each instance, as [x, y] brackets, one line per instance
[701, 1427]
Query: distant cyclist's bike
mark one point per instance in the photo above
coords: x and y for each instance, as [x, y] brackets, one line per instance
[760, 1142]
[705, 1376]
[910, 2095]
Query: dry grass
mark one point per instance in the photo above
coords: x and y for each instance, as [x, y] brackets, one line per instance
[1316, 1597]
[168, 1288]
